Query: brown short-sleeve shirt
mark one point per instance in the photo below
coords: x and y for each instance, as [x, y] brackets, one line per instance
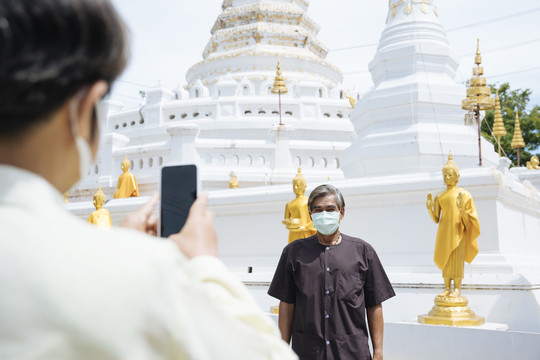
[331, 286]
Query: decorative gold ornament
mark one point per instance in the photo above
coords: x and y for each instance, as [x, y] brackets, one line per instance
[455, 212]
[517, 140]
[478, 96]
[534, 164]
[408, 9]
[100, 217]
[127, 184]
[435, 11]
[233, 183]
[279, 87]
[66, 194]
[498, 125]
[352, 100]
[297, 219]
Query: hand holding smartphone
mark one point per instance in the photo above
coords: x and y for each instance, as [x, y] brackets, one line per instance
[180, 206]
[178, 192]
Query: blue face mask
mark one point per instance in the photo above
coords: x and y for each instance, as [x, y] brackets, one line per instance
[326, 222]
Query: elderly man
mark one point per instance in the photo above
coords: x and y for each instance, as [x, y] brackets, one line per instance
[69, 290]
[327, 283]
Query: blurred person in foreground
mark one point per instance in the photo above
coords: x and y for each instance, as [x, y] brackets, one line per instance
[69, 290]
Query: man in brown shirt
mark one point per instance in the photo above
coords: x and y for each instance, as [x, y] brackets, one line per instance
[326, 284]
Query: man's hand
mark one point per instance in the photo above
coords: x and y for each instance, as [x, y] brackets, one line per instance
[143, 219]
[198, 236]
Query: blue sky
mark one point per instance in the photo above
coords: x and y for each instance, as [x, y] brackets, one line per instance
[168, 37]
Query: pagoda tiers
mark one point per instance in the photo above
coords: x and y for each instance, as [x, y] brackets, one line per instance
[412, 119]
[225, 119]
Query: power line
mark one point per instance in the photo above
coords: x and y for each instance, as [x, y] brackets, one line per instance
[521, 13]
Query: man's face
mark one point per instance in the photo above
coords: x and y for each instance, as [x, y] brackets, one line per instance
[327, 203]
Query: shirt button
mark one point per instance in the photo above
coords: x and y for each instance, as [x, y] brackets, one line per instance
[327, 292]
[327, 316]
[327, 269]
[327, 342]
[327, 248]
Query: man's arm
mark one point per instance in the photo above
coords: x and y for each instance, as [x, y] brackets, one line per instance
[376, 328]
[285, 318]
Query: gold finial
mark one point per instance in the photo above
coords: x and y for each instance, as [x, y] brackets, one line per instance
[517, 140]
[478, 57]
[233, 183]
[478, 97]
[498, 125]
[66, 194]
[352, 100]
[279, 83]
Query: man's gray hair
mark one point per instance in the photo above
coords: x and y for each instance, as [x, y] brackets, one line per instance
[325, 190]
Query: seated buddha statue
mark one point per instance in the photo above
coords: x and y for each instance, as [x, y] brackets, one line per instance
[101, 217]
[534, 164]
[127, 184]
[297, 219]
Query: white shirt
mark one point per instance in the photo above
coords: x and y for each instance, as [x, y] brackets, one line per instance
[69, 290]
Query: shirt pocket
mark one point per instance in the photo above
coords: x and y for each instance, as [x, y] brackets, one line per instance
[350, 287]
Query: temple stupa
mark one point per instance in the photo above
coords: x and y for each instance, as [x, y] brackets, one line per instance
[225, 119]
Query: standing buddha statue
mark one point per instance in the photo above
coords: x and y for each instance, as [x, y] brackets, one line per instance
[127, 184]
[297, 219]
[455, 212]
[101, 217]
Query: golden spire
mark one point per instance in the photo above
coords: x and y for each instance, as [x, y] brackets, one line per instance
[498, 125]
[233, 183]
[279, 83]
[478, 93]
[478, 58]
[517, 140]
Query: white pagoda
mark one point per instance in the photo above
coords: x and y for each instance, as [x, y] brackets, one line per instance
[225, 119]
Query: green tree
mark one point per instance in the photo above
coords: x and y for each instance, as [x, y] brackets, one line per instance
[529, 121]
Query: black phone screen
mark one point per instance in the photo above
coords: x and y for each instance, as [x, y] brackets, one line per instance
[178, 192]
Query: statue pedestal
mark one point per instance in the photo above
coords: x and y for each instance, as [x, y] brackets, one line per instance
[452, 311]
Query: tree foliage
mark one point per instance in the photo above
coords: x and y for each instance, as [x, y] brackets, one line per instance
[529, 121]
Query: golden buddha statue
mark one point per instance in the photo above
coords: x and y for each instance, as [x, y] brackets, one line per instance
[297, 218]
[233, 183]
[101, 217]
[455, 212]
[127, 184]
[534, 163]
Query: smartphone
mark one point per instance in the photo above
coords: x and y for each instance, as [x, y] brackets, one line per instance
[178, 192]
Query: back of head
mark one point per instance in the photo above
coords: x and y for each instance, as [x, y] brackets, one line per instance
[50, 49]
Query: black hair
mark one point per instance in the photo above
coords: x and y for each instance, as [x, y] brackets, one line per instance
[49, 49]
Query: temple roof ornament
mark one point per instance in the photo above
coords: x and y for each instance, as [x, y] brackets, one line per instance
[423, 6]
[498, 125]
[517, 140]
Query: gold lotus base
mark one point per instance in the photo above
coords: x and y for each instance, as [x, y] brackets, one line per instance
[452, 311]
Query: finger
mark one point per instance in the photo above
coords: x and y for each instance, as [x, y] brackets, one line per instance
[152, 222]
[199, 206]
[148, 208]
